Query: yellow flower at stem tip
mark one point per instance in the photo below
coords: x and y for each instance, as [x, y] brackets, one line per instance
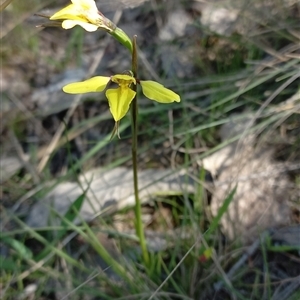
[85, 14]
[119, 99]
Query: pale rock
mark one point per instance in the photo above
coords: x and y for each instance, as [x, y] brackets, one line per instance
[107, 191]
[261, 198]
[9, 165]
[175, 26]
[219, 19]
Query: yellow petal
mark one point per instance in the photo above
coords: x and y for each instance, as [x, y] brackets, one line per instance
[94, 84]
[156, 91]
[68, 24]
[119, 101]
[123, 79]
[81, 10]
[71, 12]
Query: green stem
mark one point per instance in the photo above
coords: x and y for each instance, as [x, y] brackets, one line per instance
[122, 37]
[138, 212]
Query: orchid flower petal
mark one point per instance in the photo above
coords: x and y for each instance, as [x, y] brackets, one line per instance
[70, 12]
[123, 79]
[94, 84]
[157, 92]
[85, 11]
[68, 24]
[119, 101]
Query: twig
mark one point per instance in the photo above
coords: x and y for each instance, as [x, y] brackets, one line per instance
[286, 293]
[173, 271]
[249, 252]
[25, 160]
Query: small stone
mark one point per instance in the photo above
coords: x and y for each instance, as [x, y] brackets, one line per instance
[176, 25]
[219, 19]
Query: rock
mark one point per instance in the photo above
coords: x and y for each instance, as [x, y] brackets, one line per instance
[176, 65]
[107, 191]
[219, 19]
[260, 201]
[227, 17]
[9, 165]
[51, 99]
[175, 26]
[289, 236]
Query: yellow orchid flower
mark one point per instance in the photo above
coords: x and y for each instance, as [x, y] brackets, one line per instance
[119, 99]
[85, 14]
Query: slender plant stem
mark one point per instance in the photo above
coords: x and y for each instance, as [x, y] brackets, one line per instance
[122, 37]
[138, 212]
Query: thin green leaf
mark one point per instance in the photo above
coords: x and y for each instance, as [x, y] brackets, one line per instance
[216, 220]
[19, 247]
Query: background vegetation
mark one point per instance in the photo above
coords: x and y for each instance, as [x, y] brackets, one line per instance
[252, 70]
